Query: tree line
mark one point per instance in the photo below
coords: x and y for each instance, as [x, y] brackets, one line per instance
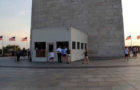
[10, 50]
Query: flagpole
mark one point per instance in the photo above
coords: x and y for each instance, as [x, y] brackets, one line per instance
[131, 42]
[27, 47]
[2, 47]
[15, 46]
[26, 42]
[139, 42]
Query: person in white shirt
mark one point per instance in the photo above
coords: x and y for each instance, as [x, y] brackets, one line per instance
[126, 52]
[51, 57]
[59, 54]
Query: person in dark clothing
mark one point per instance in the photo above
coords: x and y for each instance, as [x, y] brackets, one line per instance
[18, 54]
[24, 52]
[64, 54]
[29, 55]
[86, 56]
[68, 56]
[134, 52]
[59, 54]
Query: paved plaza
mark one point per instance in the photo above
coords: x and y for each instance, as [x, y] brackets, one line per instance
[98, 75]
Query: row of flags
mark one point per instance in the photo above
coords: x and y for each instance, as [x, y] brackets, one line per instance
[129, 37]
[14, 38]
[25, 38]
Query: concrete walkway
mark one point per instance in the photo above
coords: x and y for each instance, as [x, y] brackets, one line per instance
[98, 75]
[24, 63]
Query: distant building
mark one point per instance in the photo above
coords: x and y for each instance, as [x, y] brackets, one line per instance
[47, 40]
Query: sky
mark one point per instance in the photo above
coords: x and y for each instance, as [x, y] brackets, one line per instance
[131, 16]
[15, 20]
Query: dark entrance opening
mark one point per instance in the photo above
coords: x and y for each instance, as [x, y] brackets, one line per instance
[51, 48]
[62, 44]
[40, 48]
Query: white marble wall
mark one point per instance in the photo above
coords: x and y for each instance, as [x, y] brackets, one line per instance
[101, 19]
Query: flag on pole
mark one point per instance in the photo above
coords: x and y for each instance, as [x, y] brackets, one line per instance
[24, 39]
[12, 39]
[128, 38]
[1, 37]
[138, 37]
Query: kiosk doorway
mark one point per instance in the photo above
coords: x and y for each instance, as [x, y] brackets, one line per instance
[50, 48]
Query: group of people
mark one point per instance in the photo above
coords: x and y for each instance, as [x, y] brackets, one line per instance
[23, 53]
[64, 52]
[128, 51]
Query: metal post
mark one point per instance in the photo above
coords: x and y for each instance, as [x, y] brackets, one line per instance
[2, 48]
[27, 47]
[131, 42]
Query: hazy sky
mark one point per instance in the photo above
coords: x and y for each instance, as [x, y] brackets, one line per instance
[131, 15]
[15, 16]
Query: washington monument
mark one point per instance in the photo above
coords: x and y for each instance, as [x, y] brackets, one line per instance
[101, 19]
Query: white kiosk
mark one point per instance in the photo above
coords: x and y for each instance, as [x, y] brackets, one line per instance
[48, 39]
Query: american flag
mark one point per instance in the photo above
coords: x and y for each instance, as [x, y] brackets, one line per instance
[138, 37]
[1, 37]
[128, 38]
[24, 39]
[12, 39]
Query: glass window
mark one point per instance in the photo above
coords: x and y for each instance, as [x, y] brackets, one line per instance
[85, 45]
[78, 45]
[62, 44]
[73, 45]
[82, 46]
[40, 48]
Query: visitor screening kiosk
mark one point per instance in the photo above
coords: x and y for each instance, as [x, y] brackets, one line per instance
[46, 40]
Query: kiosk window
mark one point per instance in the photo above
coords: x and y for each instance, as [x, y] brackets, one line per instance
[85, 45]
[78, 45]
[82, 47]
[73, 45]
[40, 48]
[62, 44]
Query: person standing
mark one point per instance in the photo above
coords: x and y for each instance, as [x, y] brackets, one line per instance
[18, 54]
[134, 52]
[64, 50]
[86, 56]
[59, 54]
[29, 55]
[68, 56]
[126, 52]
[130, 51]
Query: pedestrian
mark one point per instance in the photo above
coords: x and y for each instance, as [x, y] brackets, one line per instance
[51, 57]
[64, 54]
[29, 55]
[18, 54]
[86, 59]
[126, 52]
[59, 54]
[24, 52]
[68, 56]
[137, 50]
[134, 52]
[130, 52]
